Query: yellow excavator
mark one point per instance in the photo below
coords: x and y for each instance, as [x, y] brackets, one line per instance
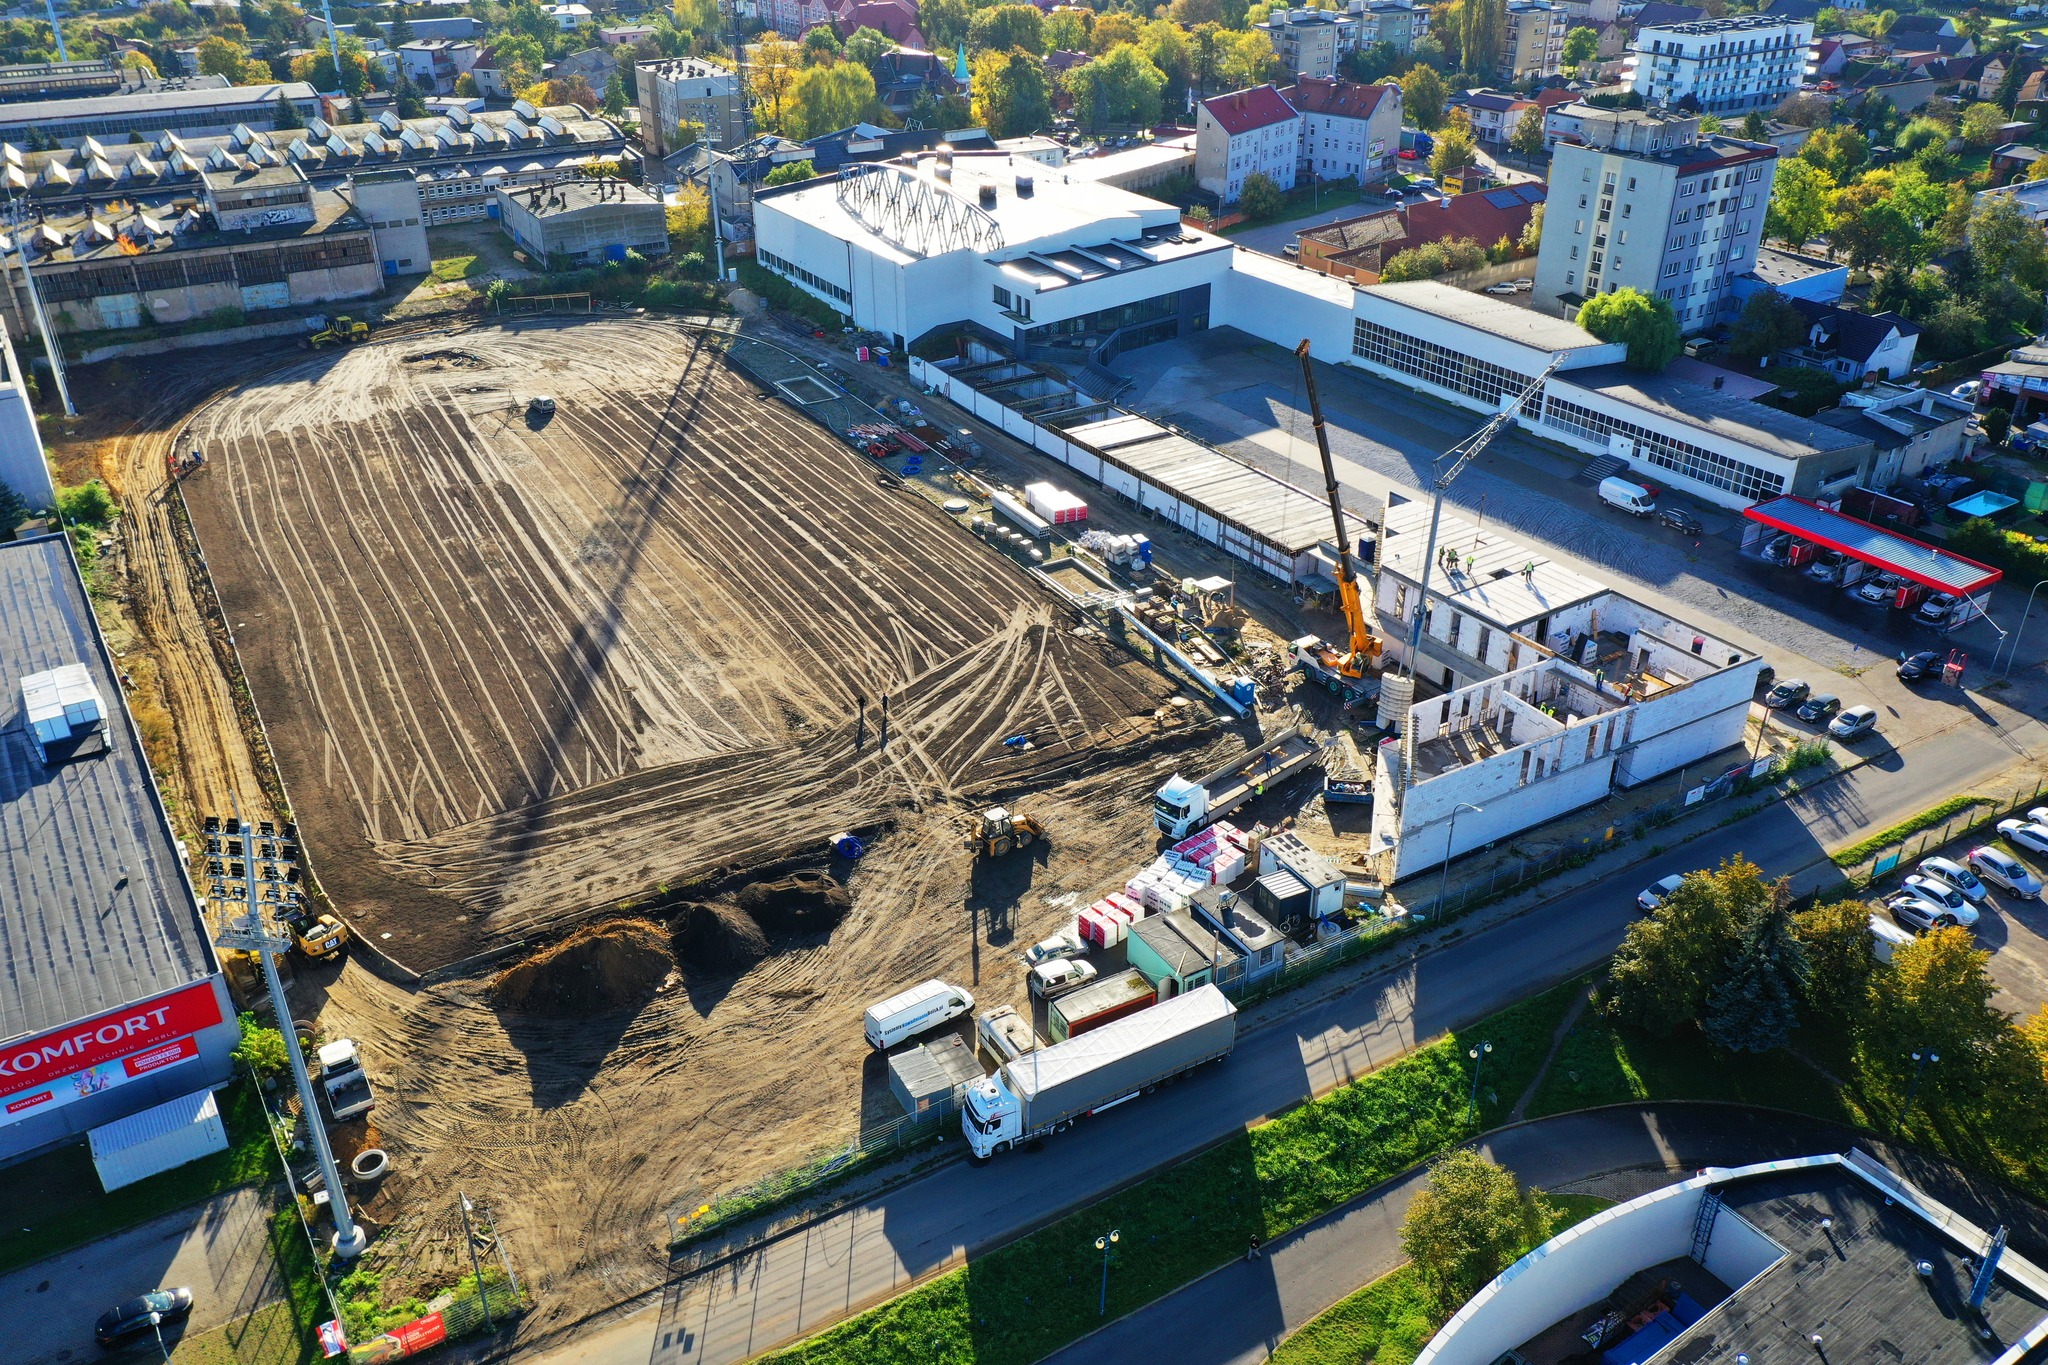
[998, 831]
[1343, 671]
[340, 331]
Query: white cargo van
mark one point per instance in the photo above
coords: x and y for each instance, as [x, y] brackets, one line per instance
[1887, 938]
[909, 1013]
[1629, 497]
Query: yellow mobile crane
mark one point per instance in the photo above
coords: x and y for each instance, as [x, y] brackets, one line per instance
[1345, 672]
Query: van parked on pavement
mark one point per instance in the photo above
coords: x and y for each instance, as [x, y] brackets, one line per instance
[1632, 498]
[917, 1010]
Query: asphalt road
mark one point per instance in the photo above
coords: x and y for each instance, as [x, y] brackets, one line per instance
[1238, 1314]
[220, 1249]
[804, 1282]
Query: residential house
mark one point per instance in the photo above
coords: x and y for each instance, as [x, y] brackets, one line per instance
[1850, 345]
[1911, 429]
[595, 65]
[1825, 58]
[435, 64]
[2030, 195]
[1245, 133]
[2013, 161]
[1389, 21]
[1348, 131]
[1357, 249]
[569, 18]
[1918, 26]
[625, 35]
[489, 78]
[895, 20]
[904, 73]
[1494, 114]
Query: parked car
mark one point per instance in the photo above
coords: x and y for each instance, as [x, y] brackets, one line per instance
[1652, 897]
[1935, 610]
[1778, 549]
[1814, 710]
[1050, 980]
[1424, 182]
[1967, 389]
[1066, 943]
[1680, 520]
[1878, 591]
[141, 1316]
[1925, 664]
[1524, 285]
[1790, 692]
[2024, 834]
[1409, 154]
[541, 406]
[1504, 287]
[1828, 567]
[1952, 873]
[1935, 891]
[1918, 915]
[2001, 869]
[1854, 723]
[1766, 679]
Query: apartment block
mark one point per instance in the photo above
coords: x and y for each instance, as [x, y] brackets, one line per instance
[678, 90]
[1720, 66]
[1533, 42]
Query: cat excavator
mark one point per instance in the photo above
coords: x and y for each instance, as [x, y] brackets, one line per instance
[1348, 672]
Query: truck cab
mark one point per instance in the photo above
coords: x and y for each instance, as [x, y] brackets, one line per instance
[992, 1118]
[343, 1078]
[1180, 807]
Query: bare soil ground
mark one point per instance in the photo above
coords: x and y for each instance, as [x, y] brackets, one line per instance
[519, 670]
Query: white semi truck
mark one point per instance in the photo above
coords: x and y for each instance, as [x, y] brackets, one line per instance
[1048, 1090]
[1181, 807]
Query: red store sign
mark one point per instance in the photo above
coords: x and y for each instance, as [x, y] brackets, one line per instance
[142, 1038]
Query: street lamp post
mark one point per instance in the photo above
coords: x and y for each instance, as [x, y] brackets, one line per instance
[2021, 629]
[1443, 886]
[1920, 1061]
[1103, 1245]
[1478, 1056]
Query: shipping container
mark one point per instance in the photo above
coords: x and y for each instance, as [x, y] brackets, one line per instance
[1099, 1003]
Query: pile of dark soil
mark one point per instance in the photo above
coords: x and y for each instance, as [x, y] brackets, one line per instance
[801, 903]
[600, 969]
[719, 940]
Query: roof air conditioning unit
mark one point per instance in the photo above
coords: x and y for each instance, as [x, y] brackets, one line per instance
[1024, 187]
[988, 196]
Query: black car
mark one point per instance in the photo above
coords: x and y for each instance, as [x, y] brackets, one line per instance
[1814, 710]
[1925, 664]
[1788, 693]
[141, 1316]
[1678, 519]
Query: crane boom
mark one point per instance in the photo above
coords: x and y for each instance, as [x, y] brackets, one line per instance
[1365, 646]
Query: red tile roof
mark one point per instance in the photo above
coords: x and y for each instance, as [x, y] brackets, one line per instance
[1344, 99]
[1485, 217]
[1241, 111]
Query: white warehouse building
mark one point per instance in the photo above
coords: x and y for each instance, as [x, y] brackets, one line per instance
[1030, 256]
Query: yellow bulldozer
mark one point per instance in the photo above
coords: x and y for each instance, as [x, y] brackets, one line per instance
[998, 831]
[340, 331]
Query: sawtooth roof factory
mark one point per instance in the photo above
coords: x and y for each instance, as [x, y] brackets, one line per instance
[115, 1004]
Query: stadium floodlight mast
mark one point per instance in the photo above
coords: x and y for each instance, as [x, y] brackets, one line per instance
[263, 878]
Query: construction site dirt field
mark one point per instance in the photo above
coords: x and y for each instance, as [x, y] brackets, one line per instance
[520, 668]
[520, 673]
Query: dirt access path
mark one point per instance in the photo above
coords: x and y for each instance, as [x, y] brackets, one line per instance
[519, 670]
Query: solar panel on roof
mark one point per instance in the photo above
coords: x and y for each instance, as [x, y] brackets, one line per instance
[1503, 199]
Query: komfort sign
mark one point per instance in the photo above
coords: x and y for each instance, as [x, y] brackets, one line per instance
[79, 1060]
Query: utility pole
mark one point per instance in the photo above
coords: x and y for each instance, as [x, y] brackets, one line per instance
[334, 48]
[262, 862]
[469, 1236]
[58, 29]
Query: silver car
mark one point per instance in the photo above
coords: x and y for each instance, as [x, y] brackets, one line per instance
[1951, 873]
[1940, 893]
[1918, 915]
[2001, 869]
[1050, 980]
[1653, 896]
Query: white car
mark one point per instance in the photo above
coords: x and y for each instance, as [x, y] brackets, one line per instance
[1951, 873]
[1052, 979]
[1502, 288]
[1654, 896]
[1916, 914]
[1854, 723]
[2000, 868]
[1066, 943]
[1940, 893]
[2024, 834]
[2038, 816]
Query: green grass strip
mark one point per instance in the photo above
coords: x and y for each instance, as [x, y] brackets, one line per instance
[1905, 829]
[1020, 1303]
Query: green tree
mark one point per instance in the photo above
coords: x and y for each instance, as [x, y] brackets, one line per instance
[1981, 123]
[615, 100]
[1870, 227]
[88, 505]
[1920, 134]
[791, 173]
[1115, 27]
[2009, 84]
[220, 57]
[945, 23]
[1011, 95]
[287, 116]
[1481, 26]
[1755, 127]
[1261, 198]
[405, 98]
[1769, 323]
[1066, 30]
[1423, 93]
[1455, 147]
[1532, 232]
[1835, 938]
[1840, 152]
[1527, 139]
[1800, 203]
[1754, 1007]
[868, 46]
[1121, 88]
[1002, 27]
[2006, 244]
[772, 72]
[820, 46]
[1997, 425]
[262, 1049]
[824, 99]
[1243, 59]
[1192, 14]
[1428, 50]
[1166, 46]
[1670, 960]
[399, 32]
[1581, 46]
[1468, 1224]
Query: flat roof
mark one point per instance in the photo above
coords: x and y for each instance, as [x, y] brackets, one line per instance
[1487, 313]
[1678, 395]
[1783, 267]
[166, 101]
[1509, 583]
[1255, 501]
[1923, 564]
[95, 910]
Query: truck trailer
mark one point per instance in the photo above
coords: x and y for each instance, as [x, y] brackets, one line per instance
[1049, 1090]
[1181, 807]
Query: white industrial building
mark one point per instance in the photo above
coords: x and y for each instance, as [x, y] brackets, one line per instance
[1538, 690]
[1029, 255]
